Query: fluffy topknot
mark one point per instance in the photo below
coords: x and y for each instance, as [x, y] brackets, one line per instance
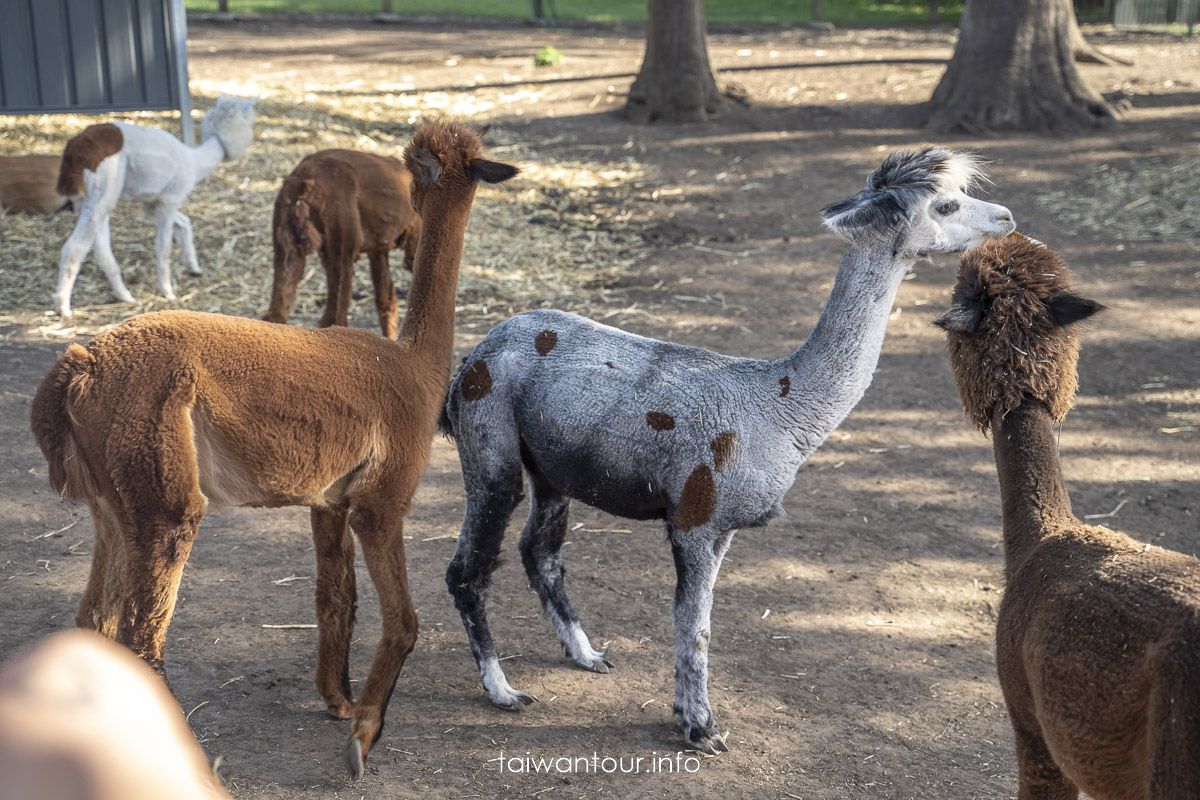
[446, 151]
[905, 180]
[1009, 331]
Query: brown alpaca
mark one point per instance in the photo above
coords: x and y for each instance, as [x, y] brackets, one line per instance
[82, 719]
[1098, 635]
[27, 185]
[342, 203]
[172, 411]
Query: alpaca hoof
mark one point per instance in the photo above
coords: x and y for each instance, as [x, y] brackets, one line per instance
[354, 759]
[516, 702]
[166, 296]
[125, 296]
[711, 743]
[340, 709]
[601, 664]
[194, 269]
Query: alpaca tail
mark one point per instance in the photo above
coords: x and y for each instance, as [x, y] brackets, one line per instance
[86, 151]
[295, 229]
[446, 421]
[54, 426]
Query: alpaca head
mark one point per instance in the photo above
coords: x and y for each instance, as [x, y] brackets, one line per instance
[231, 120]
[447, 156]
[1010, 329]
[916, 203]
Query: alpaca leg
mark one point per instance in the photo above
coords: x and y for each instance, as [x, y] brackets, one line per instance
[1039, 778]
[380, 533]
[337, 600]
[289, 268]
[96, 610]
[187, 245]
[385, 294]
[408, 241]
[164, 218]
[541, 543]
[491, 500]
[103, 188]
[155, 552]
[339, 278]
[697, 561]
[108, 262]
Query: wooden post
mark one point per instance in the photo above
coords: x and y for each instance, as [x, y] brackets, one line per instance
[387, 6]
[818, 10]
[935, 12]
[223, 6]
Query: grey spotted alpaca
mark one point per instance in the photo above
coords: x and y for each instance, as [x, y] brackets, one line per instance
[646, 429]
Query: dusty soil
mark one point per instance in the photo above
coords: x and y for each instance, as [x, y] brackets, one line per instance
[852, 640]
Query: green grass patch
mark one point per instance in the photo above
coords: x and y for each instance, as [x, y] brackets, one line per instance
[839, 12]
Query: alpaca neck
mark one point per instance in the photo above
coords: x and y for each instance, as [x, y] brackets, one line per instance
[1032, 492]
[207, 156]
[831, 371]
[429, 323]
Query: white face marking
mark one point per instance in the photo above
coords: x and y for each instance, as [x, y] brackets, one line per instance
[953, 221]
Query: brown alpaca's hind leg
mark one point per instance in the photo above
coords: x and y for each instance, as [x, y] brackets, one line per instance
[337, 599]
[99, 608]
[385, 294]
[289, 268]
[338, 258]
[1039, 777]
[155, 552]
[382, 540]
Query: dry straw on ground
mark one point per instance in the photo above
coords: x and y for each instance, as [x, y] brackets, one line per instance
[1142, 200]
[554, 236]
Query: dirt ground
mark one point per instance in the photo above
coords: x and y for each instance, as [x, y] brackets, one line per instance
[852, 640]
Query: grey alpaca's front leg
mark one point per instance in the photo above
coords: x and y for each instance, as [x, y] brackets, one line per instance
[489, 508]
[541, 545]
[698, 555]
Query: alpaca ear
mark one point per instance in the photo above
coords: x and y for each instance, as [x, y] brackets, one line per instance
[865, 212]
[424, 166]
[961, 318]
[1066, 308]
[491, 171]
[248, 103]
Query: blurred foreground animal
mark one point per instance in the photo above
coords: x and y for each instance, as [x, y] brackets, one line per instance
[1098, 635]
[83, 719]
[117, 161]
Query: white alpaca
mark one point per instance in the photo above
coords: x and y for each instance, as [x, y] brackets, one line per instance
[118, 161]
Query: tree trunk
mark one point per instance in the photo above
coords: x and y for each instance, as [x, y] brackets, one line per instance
[1013, 69]
[1086, 53]
[676, 83]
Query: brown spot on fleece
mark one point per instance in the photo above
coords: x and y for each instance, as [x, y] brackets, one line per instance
[785, 386]
[722, 448]
[609, 364]
[545, 341]
[1018, 350]
[698, 501]
[660, 421]
[477, 382]
[85, 151]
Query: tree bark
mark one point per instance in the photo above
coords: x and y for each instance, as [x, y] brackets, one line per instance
[675, 83]
[1085, 53]
[1013, 69]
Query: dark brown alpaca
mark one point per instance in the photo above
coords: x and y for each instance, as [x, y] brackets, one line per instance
[1098, 635]
[342, 203]
[172, 411]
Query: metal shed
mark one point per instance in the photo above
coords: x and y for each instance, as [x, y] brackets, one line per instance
[93, 56]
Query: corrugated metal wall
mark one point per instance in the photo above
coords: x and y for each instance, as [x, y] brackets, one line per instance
[93, 56]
